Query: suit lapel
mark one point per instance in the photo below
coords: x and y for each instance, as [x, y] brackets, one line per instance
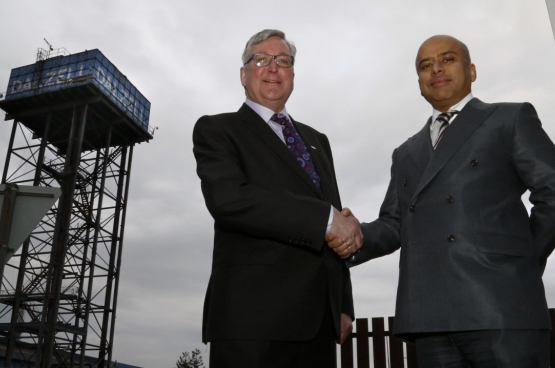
[322, 164]
[255, 123]
[467, 121]
[420, 148]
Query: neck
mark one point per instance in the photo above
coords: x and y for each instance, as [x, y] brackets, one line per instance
[275, 108]
[443, 106]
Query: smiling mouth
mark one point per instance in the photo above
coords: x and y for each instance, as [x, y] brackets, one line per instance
[271, 81]
[440, 82]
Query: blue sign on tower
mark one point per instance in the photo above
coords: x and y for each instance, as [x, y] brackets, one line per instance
[79, 69]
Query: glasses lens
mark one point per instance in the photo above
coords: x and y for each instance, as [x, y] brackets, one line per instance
[285, 61]
[262, 59]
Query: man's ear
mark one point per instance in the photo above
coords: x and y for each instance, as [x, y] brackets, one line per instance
[473, 74]
[243, 76]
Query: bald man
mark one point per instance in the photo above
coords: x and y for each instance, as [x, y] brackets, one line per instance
[470, 288]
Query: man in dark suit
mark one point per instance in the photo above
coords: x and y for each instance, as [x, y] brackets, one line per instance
[470, 288]
[278, 296]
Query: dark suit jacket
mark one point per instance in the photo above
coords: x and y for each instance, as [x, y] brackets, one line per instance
[272, 274]
[471, 257]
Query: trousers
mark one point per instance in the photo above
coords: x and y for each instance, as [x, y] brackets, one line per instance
[320, 352]
[484, 349]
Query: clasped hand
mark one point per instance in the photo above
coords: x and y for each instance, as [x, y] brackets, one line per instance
[345, 236]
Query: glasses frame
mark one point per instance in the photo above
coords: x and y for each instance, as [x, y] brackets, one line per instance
[271, 57]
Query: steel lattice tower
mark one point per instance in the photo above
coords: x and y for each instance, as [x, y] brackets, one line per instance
[76, 119]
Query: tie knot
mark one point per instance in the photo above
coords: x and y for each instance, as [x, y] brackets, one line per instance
[279, 118]
[444, 117]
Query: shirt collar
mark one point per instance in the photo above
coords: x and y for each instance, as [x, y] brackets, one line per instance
[264, 112]
[457, 107]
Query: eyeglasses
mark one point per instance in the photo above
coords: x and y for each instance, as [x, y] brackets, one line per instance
[284, 61]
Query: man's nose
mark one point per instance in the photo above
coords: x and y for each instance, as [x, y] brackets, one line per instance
[437, 67]
[273, 67]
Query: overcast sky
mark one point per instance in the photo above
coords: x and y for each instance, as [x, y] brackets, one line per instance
[355, 81]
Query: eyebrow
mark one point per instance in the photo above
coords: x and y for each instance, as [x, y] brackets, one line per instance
[280, 54]
[442, 54]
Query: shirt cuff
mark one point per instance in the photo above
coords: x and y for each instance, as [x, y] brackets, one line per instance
[328, 229]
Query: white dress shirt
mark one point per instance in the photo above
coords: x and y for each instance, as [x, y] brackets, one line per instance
[458, 107]
[266, 115]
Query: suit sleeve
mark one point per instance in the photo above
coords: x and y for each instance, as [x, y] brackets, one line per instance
[382, 236]
[533, 154]
[347, 303]
[239, 206]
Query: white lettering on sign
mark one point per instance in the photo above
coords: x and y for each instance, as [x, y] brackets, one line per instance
[62, 75]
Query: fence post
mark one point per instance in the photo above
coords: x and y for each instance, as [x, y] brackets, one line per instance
[363, 347]
[412, 361]
[552, 342]
[378, 342]
[347, 352]
[396, 355]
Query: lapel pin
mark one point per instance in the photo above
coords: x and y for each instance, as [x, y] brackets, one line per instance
[312, 147]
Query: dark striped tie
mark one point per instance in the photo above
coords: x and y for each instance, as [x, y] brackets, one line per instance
[443, 119]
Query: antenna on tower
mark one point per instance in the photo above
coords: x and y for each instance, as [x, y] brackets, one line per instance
[49, 45]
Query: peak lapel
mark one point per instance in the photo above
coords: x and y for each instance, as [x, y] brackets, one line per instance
[467, 121]
[255, 123]
[420, 147]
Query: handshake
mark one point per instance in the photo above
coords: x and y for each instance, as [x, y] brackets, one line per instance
[345, 236]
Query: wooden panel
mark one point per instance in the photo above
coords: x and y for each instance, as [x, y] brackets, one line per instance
[347, 352]
[363, 347]
[396, 358]
[378, 342]
[412, 361]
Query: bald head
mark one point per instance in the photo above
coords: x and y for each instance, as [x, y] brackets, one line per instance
[449, 39]
[445, 72]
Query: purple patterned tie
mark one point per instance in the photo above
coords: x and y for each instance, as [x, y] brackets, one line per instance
[297, 147]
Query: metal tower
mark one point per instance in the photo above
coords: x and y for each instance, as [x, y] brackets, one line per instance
[76, 119]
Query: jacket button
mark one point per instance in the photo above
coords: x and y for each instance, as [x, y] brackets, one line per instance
[451, 238]
[450, 199]
[412, 208]
[474, 163]
[405, 182]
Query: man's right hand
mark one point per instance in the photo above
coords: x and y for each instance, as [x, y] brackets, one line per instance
[345, 236]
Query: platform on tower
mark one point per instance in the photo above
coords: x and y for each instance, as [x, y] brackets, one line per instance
[53, 86]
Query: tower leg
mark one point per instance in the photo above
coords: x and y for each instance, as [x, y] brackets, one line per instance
[105, 344]
[10, 147]
[25, 252]
[95, 240]
[61, 233]
[118, 265]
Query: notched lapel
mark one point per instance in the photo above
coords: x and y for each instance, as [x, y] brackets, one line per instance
[255, 123]
[467, 121]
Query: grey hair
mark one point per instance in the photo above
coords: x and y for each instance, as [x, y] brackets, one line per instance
[263, 36]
